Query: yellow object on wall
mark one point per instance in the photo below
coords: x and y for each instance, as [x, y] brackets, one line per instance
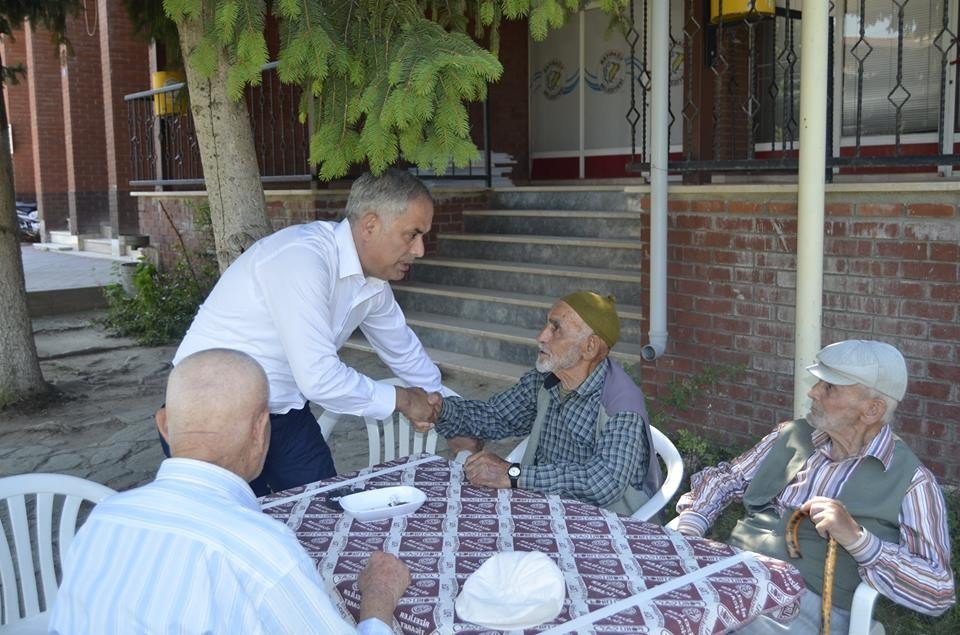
[173, 102]
[738, 9]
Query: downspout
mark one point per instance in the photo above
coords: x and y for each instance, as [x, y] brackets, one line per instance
[658, 30]
[810, 197]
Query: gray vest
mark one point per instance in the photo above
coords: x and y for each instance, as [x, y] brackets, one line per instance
[872, 495]
[620, 394]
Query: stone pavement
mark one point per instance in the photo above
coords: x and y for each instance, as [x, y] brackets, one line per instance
[49, 270]
[101, 427]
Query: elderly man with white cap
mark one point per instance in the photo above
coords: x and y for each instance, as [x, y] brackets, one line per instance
[589, 436]
[857, 480]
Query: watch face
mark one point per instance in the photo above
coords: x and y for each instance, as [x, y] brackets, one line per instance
[513, 471]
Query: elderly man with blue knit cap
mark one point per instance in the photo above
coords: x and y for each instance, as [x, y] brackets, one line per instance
[589, 434]
[858, 481]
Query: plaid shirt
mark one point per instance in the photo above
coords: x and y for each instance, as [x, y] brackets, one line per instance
[572, 460]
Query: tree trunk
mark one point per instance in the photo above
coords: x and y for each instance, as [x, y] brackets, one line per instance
[20, 375]
[238, 208]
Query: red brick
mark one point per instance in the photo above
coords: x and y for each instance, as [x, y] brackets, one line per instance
[931, 210]
[929, 271]
[902, 250]
[838, 209]
[706, 206]
[874, 230]
[745, 207]
[948, 253]
[879, 209]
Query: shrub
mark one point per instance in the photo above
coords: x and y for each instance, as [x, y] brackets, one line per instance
[164, 303]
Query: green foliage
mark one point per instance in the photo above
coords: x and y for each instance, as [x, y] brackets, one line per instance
[383, 80]
[164, 303]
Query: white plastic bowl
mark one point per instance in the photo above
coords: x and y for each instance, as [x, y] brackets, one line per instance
[386, 502]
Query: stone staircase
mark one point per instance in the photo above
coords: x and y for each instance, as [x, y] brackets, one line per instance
[479, 304]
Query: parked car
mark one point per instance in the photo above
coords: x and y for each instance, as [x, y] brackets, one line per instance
[28, 221]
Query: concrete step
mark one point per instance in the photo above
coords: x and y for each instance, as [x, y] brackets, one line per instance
[560, 198]
[490, 340]
[62, 237]
[598, 224]
[611, 253]
[504, 307]
[552, 281]
[455, 362]
[97, 245]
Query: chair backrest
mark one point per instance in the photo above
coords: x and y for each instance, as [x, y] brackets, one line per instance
[663, 448]
[668, 453]
[388, 438]
[50, 505]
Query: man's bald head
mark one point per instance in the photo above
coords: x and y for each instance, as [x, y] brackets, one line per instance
[216, 407]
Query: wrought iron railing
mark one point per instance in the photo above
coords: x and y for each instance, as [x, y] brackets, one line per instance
[750, 73]
[163, 144]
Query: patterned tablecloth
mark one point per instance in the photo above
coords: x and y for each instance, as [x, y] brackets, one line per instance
[604, 558]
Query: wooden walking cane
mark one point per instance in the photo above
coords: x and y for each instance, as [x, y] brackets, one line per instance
[829, 566]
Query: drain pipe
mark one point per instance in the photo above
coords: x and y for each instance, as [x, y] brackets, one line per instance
[810, 198]
[659, 27]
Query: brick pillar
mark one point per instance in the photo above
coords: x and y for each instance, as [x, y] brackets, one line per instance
[46, 129]
[83, 126]
[14, 52]
[126, 69]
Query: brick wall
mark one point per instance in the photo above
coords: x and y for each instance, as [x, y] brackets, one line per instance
[17, 98]
[82, 90]
[170, 220]
[891, 272]
[126, 70]
[46, 129]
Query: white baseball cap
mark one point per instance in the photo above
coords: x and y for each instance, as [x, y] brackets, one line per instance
[873, 364]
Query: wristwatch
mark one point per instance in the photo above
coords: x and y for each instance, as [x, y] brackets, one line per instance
[514, 473]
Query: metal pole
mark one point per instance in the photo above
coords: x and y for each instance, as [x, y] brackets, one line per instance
[810, 200]
[659, 29]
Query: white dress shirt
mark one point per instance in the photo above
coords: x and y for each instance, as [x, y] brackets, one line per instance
[291, 301]
[191, 552]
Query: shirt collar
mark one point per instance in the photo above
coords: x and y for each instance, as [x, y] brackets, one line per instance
[881, 448]
[593, 382]
[208, 476]
[348, 258]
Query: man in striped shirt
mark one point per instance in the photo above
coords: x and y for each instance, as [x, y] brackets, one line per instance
[191, 552]
[859, 482]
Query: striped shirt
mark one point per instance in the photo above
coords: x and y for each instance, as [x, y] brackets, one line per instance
[191, 552]
[915, 573]
[571, 460]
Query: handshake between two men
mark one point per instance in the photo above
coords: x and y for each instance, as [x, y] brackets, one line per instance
[423, 409]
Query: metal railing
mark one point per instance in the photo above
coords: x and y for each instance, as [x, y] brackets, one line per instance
[164, 151]
[740, 108]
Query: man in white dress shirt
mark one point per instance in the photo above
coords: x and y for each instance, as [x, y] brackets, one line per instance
[293, 299]
[192, 552]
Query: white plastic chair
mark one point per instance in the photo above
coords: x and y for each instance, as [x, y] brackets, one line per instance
[388, 438]
[861, 610]
[663, 448]
[54, 525]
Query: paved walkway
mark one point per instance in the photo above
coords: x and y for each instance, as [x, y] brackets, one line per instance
[51, 270]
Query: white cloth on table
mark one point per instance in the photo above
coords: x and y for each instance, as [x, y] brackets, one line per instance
[291, 301]
[513, 590]
[191, 552]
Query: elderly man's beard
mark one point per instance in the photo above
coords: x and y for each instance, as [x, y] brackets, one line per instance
[552, 363]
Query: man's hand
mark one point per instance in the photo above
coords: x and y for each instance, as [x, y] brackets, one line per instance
[421, 408]
[461, 444]
[832, 519]
[485, 469]
[382, 583]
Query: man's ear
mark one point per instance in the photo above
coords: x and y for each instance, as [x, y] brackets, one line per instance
[161, 418]
[369, 223]
[875, 410]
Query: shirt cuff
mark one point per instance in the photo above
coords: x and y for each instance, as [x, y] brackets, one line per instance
[384, 401]
[692, 524]
[865, 549]
[373, 626]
